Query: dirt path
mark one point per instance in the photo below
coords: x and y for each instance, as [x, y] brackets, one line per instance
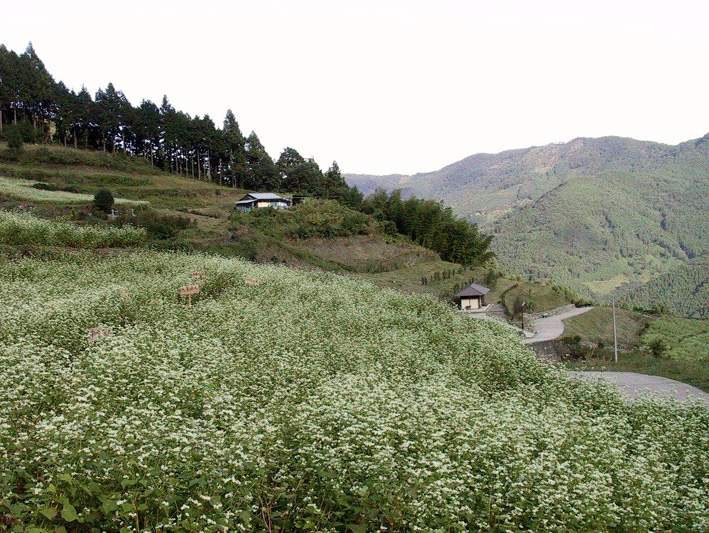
[552, 327]
[638, 385]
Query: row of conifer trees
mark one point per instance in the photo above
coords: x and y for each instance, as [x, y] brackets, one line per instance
[48, 111]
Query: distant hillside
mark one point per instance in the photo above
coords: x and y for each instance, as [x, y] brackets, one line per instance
[484, 187]
[367, 184]
[604, 231]
[683, 290]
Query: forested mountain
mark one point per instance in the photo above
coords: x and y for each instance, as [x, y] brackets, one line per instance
[43, 110]
[594, 214]
[602, 231]
[683, 290]
[484, 187]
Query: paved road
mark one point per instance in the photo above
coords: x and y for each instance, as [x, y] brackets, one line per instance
[552, 327]
[637, 385]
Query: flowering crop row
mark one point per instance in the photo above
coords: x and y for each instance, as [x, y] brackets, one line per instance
[18, 228]
[23, 190]
[308, 401]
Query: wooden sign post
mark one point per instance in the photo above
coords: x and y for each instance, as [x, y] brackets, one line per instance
[189, 290]
[98, 332]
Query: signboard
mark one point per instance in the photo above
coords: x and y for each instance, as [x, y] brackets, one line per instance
[198, 274]
[100, 331]
[252, 282]
[189, 290]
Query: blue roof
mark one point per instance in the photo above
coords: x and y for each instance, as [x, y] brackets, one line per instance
[264, 196]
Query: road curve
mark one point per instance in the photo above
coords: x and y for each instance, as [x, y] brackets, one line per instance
[636, 385]
[552, 327]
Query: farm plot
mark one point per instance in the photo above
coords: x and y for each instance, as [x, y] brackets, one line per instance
[287, 400]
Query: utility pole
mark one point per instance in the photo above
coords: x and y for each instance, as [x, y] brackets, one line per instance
[615, 335]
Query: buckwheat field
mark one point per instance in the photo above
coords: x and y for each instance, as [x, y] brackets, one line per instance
[286, 400]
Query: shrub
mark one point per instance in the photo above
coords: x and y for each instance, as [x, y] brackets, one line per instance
[103, 200]
[160, 227]
[657, 347]
[13, 137]
[45, 186]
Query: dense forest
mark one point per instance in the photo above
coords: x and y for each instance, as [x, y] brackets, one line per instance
[683, 291]
[35, 107]
[430, 224]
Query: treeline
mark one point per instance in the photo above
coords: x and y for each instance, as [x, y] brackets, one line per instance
[430, 224]
[46, 111]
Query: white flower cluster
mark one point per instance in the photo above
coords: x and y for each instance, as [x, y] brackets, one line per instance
[309, 401]
[17, 228]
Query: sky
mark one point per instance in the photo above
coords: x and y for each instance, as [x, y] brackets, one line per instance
[391, 86]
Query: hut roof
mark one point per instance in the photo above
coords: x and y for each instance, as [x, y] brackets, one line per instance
[263, 196]
[473, 290]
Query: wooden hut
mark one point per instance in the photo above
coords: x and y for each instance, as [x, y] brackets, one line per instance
[472, 298]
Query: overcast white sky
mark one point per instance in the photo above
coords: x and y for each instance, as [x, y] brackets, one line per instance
[387, 86]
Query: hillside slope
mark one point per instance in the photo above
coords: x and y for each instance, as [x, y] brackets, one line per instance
[683, 290]
[593, 214]
[189, 214]
[603, 231]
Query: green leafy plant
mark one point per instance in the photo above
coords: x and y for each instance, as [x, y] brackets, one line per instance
[103, 200]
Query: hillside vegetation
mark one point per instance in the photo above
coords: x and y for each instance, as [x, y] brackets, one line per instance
[686, 339]
[683, 290]
[187, 214]
[596, 234]
[593, 214]
[484, 187]
[668, 346]
[25, 229]
[289, 400]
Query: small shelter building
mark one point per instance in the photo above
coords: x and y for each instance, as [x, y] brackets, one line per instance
[259, 200]
[471, 298]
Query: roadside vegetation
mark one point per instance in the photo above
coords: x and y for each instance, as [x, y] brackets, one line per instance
[668, 346]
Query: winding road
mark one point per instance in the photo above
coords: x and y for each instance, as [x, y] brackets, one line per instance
[636, 385]
[552, 327]
[631, 384]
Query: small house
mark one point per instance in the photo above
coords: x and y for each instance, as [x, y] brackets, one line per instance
[259, 200]
[472, 298]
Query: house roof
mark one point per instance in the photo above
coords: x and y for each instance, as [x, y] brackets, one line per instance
[263, 196]
[473, 290]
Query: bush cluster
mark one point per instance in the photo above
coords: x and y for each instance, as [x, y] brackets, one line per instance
[313, 219]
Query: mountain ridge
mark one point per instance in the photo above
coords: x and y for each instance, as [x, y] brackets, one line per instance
[483, 187]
